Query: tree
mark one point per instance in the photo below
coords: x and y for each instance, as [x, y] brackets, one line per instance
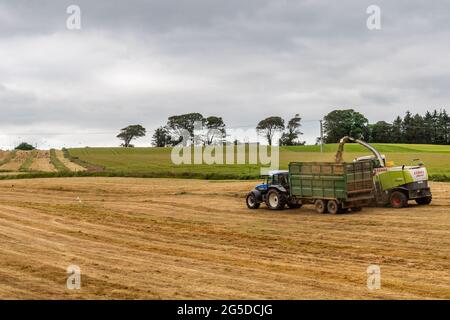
[177, 125]
[290, 137]
[318, 141]
[432, 128]
[340, 123]
[161, 137]
[407, 128]
[419, 134]
[381, 132]
[437, 131]
[428, 124]
[269, 126]
[445, 125]
[215, 129]
[396, 130]
[129, 133]
[25, 146]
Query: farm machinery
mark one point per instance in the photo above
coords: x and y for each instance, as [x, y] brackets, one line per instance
[393, 185]
[331, 187]
[337, 187]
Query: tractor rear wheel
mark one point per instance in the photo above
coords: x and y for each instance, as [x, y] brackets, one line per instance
[320, 206]
[423, 201]
[252, 202]
[333, 207]
[276, 200]
[398, 200]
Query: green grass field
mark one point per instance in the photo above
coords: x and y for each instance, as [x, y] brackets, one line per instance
[157, 161]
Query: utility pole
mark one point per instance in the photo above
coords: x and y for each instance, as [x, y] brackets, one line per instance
[321, 136]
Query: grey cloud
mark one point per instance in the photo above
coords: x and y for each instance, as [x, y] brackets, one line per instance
[141, 61]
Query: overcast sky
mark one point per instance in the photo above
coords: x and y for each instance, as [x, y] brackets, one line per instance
[142, 61]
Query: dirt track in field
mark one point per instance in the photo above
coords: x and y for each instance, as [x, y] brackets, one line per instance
[173, 239]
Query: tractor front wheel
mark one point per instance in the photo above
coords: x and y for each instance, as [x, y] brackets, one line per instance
[252, 202]
[276, 200]
[398, 200]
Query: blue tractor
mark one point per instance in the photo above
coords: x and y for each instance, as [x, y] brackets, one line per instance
[274, 192]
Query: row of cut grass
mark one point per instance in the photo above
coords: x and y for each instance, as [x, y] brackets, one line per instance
[161, 174]
[28, 161]
[90, 167]
[56, 162]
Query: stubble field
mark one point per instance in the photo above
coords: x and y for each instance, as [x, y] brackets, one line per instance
[174, 239]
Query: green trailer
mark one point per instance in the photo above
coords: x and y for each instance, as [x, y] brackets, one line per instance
[331, 187]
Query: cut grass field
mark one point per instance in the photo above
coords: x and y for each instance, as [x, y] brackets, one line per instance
[178, 239]
[31, 156]
[157, 161]
[5, 157]
[36, 163]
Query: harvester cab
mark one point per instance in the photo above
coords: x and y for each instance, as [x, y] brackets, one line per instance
[393, 185]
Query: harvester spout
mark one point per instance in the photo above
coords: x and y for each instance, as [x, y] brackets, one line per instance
[344, 140]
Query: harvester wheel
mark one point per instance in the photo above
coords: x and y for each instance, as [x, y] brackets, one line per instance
[333, 207]
[423, 201]
[320, 206]
[276, 200]
[398, 200]
[251, 201]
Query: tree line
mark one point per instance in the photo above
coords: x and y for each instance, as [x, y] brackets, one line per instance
[431, 128]
[213, 131]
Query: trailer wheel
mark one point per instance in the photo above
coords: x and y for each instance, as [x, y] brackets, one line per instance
[333, 207]
[252, 202]
[320, 206]
[398, 200]
[423, 201]
[276, 200]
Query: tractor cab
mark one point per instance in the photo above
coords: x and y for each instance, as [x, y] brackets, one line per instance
[275, 178]
[278, 177]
